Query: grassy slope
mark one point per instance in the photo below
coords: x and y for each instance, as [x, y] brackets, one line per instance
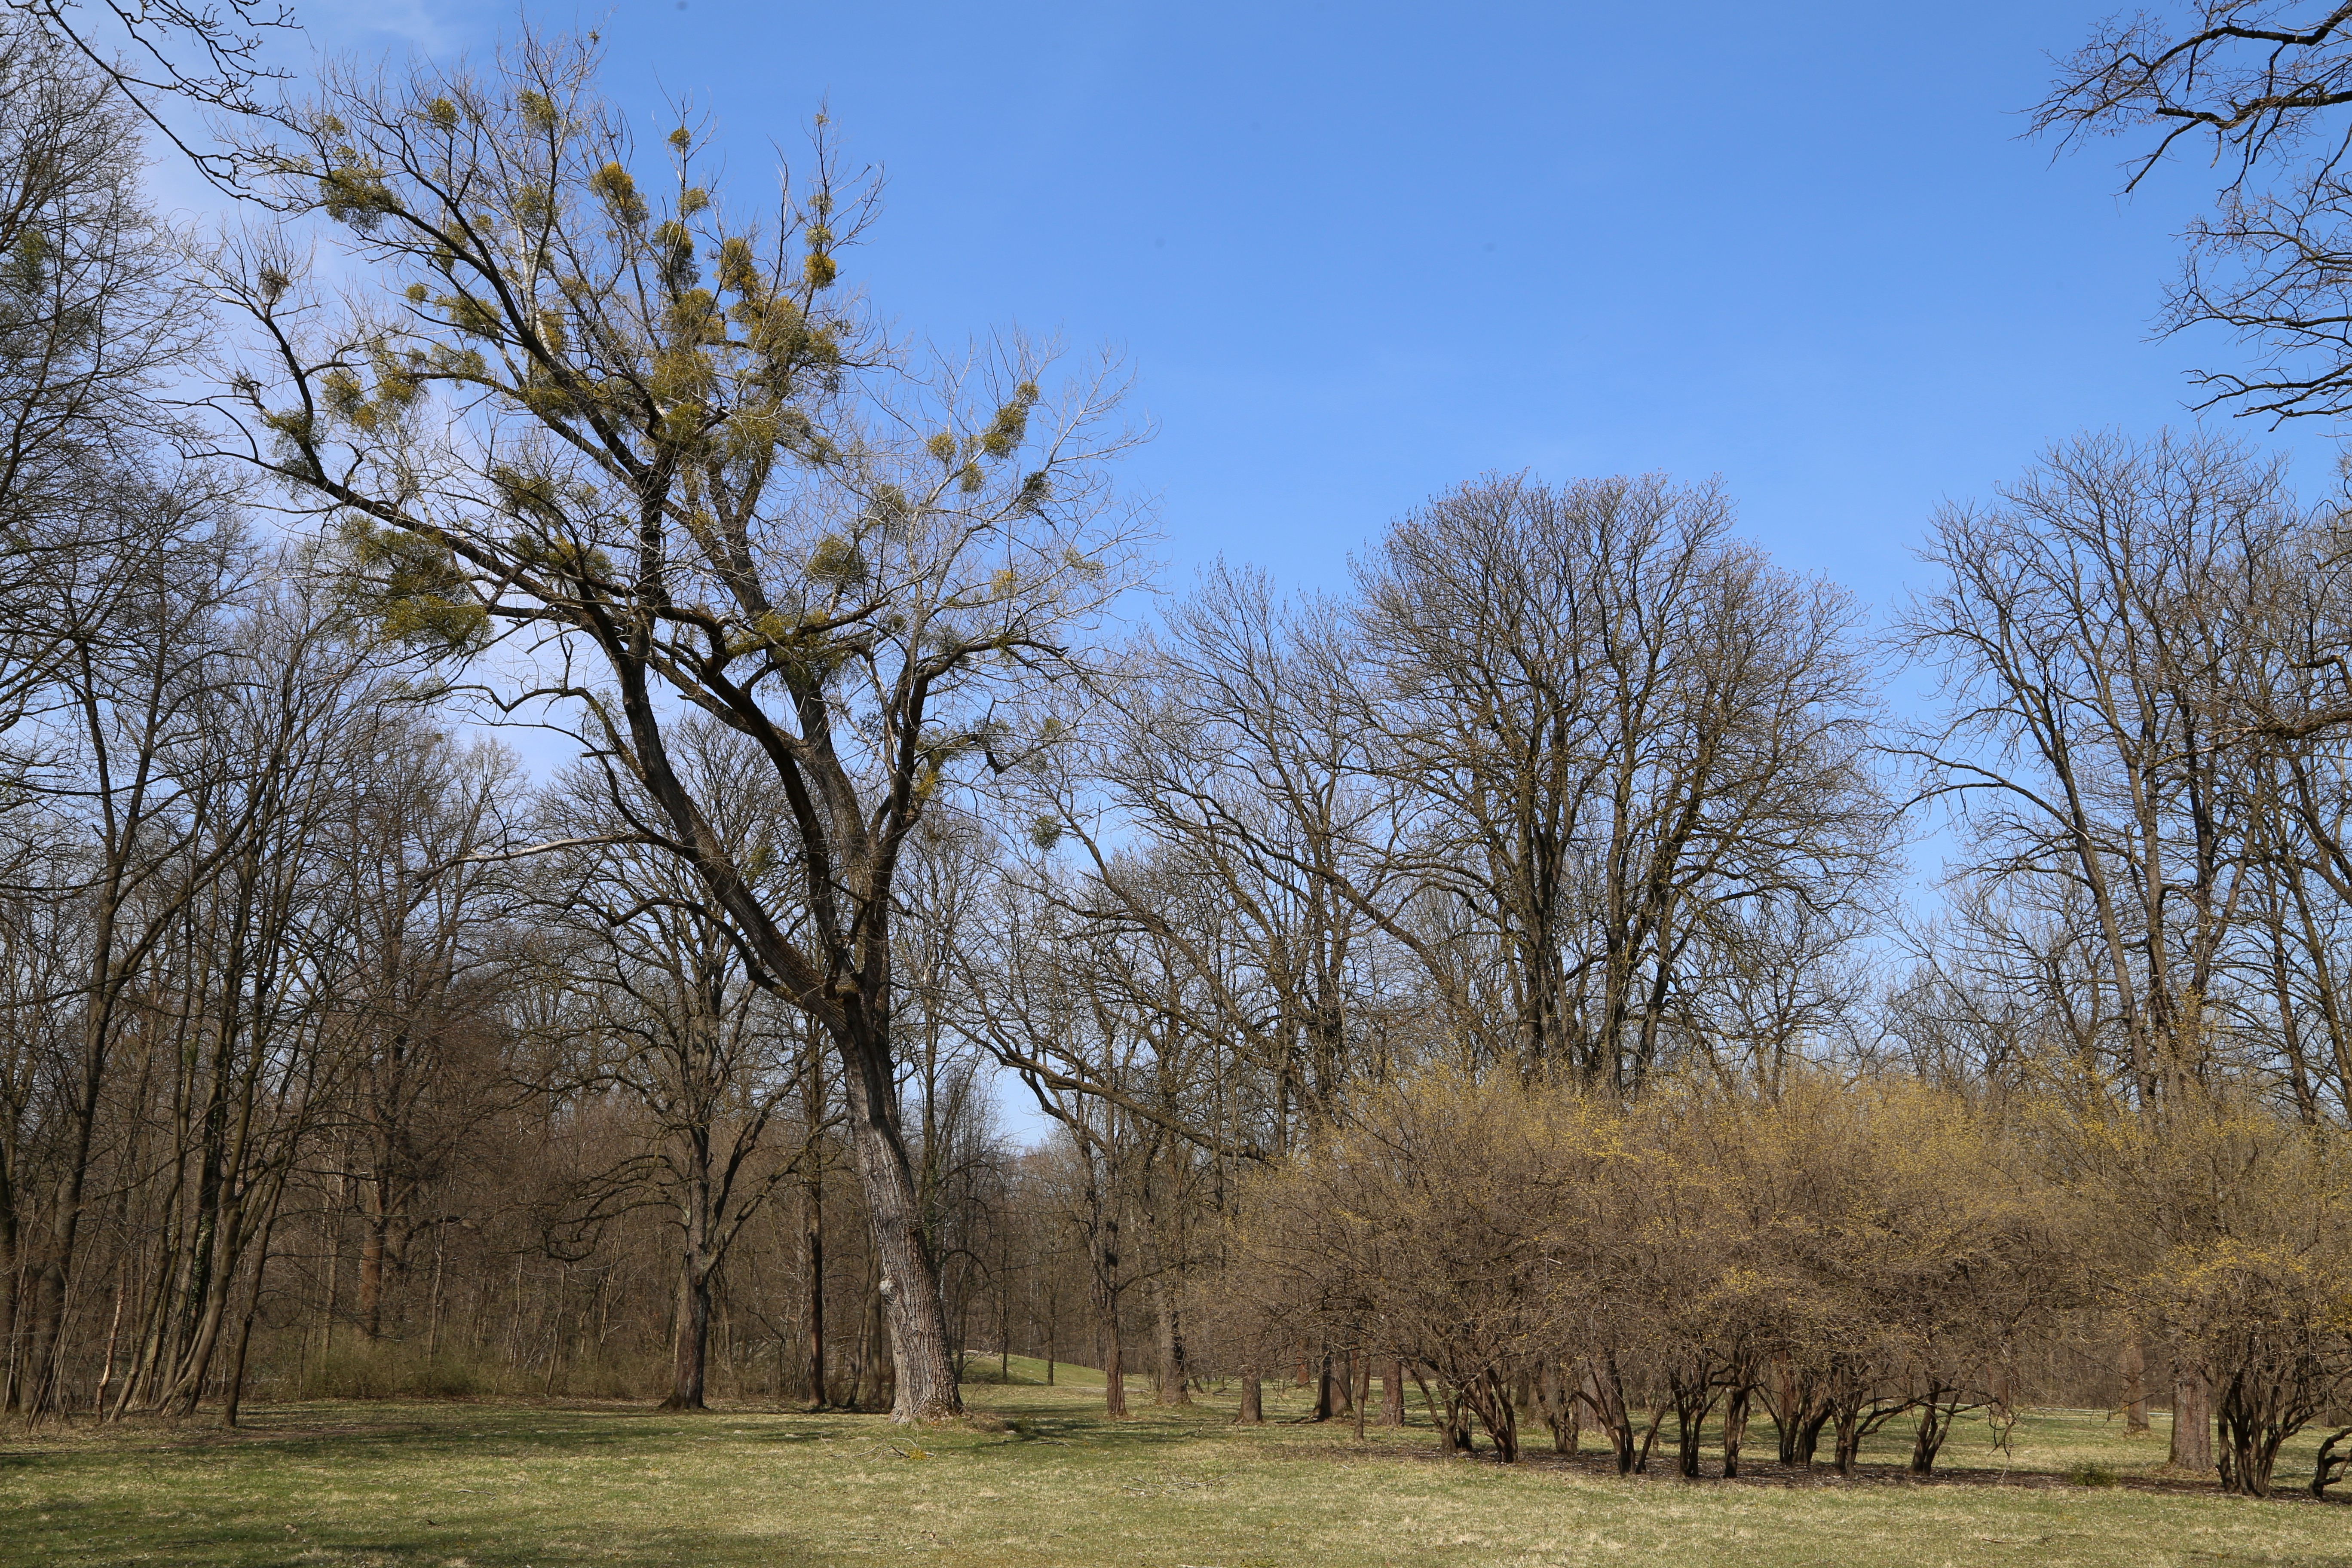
[522, 1486]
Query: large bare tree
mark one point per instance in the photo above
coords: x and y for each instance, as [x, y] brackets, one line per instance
[645, 444]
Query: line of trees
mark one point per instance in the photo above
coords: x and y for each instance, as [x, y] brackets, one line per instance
[1497, 974]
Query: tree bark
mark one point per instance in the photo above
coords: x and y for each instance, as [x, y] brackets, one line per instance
[1114, 1368]
[812, 1258]
[2192, 1420]
[1734, 1427]
[691, 1358]
[910, 1285]
[2135, 1367]
[1175, 1376]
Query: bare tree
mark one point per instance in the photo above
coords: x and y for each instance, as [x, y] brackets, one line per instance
[2258, 88]
[94, 312]
[707, 1054]
[1624, 729]
[2084, 632]
[724, 500]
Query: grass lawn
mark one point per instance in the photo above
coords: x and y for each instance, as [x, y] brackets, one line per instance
[511, 1485]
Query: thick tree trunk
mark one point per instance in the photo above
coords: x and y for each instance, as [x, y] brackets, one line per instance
[920, 1353]
[1393, 1393]
[1849, 1444]
[2192, 1420]
[691, 1358]
[1808, 1434]
[1253, 1410]
[1175, 1376]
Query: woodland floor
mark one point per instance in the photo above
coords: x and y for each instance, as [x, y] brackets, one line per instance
[559, 1484]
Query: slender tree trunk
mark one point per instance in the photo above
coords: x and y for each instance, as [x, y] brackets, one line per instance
[1113, 1367]
[234, 1401]
[1104, 1242]
[1935, 1427]
[1734, 1427]
[1783, 1395]
[812, 1258]
[375, 1227]
[1608, 1397]
[873, 1382]
[2135, 1367]
[113, 1341]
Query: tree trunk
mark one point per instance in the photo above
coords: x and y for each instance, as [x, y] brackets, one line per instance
[813, 1257]
[1556, 1397]
[2192, 1420]
[1693, 1401]
[690, 1360]
[1253, 1410]
[1489, 1396]
[1104, 1240]
[374, 1223]
[873, 1352]
[1114, 1368]
[1734, 1427]
[1607, 1396]
[2135, 1368]
[1936, 1420]
[1809, 1433]
[1175, 1376]
[910, 1285]
[234, 1400]
[1849, 1443]
[1393, 1393]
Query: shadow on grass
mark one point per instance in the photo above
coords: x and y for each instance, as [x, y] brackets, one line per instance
[98, 1534]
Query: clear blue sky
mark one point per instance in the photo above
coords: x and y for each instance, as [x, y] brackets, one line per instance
[1357, 253]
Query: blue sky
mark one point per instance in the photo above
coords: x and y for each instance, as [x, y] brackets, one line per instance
[1358, 254]
[1355, 254]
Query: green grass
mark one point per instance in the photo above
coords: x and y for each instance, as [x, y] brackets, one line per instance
[517, 1485]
